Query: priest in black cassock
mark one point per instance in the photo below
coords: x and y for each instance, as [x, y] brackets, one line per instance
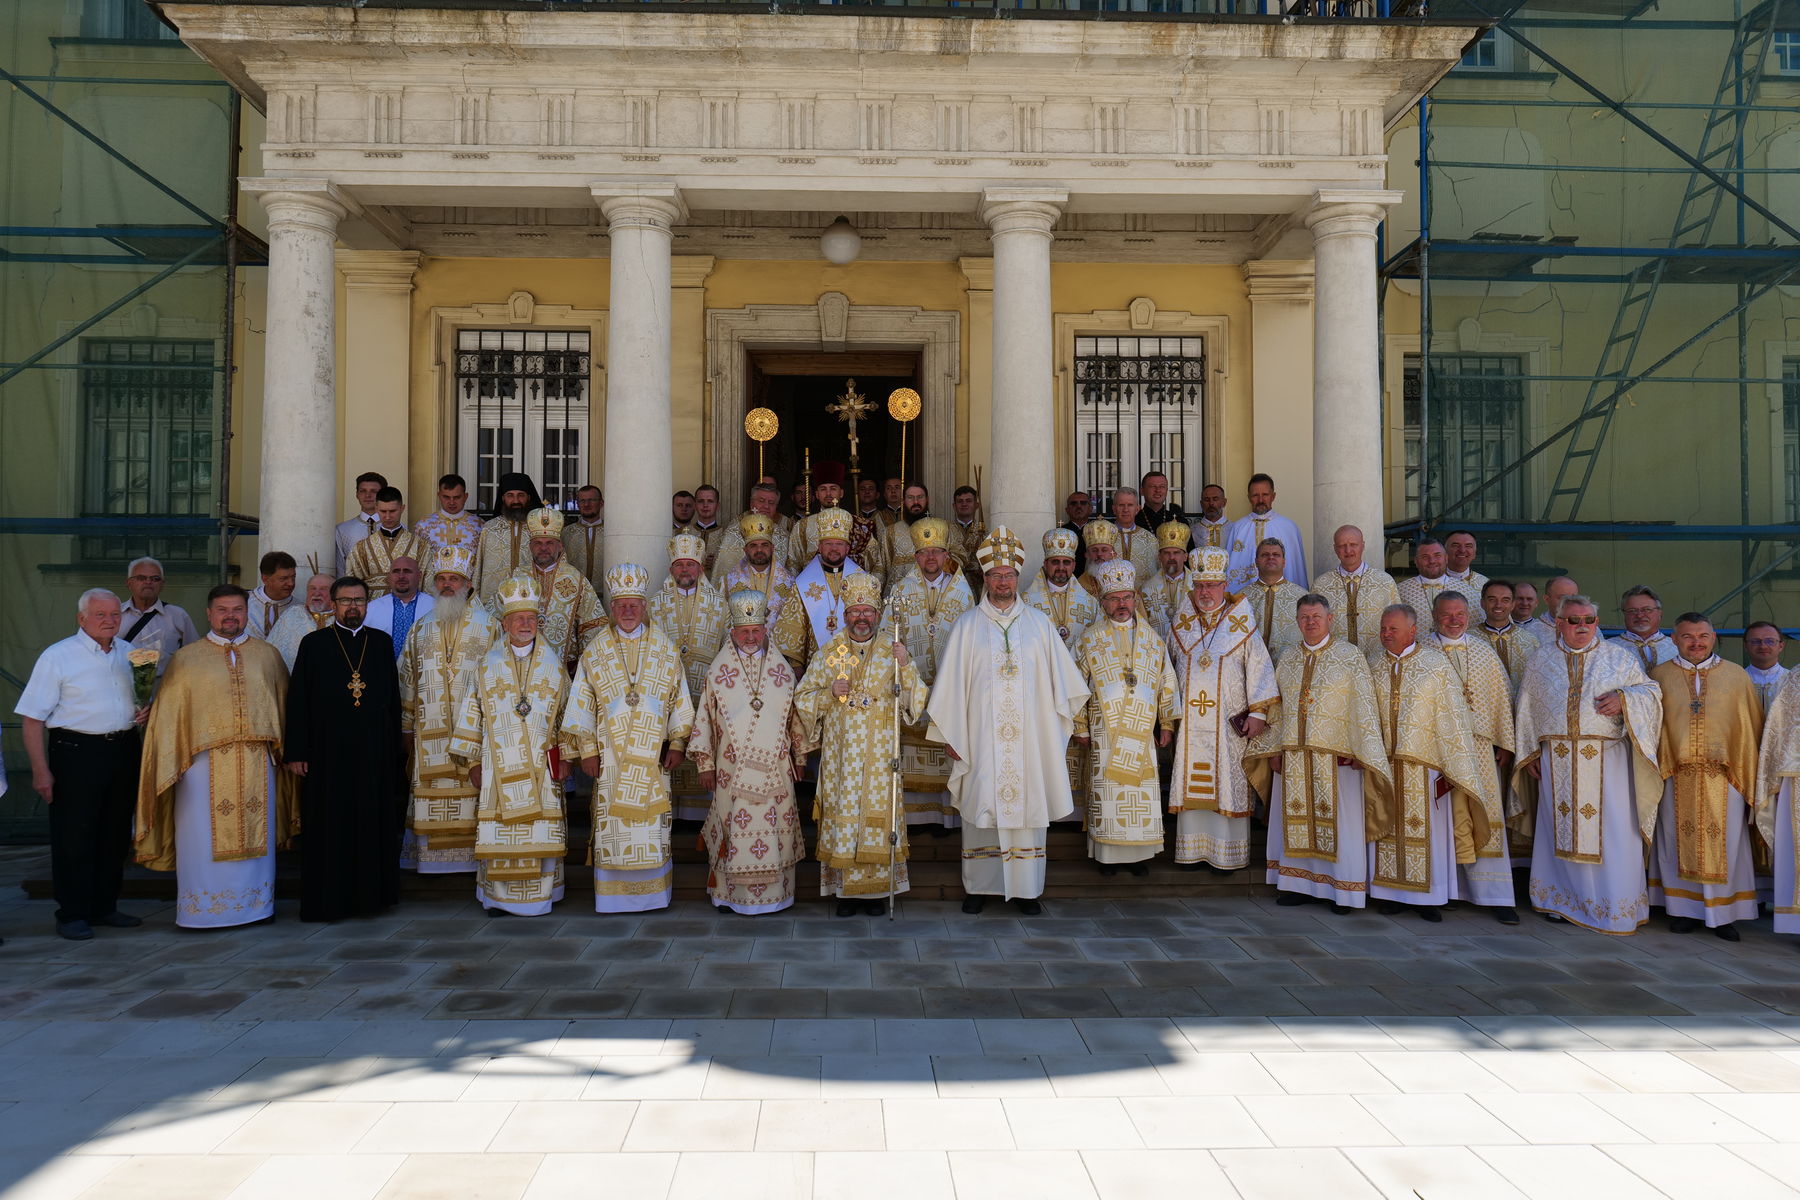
[343, 740]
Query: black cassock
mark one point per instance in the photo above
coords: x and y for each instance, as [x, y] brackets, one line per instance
[351, 798]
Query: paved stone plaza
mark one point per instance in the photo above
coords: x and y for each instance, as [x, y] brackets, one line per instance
[1101, 1050]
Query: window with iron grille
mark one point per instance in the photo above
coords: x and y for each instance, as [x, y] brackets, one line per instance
[149, 413]
[522, 405]
[1790, 434]
[1139, 402]
[1477, 428]
[123, 21]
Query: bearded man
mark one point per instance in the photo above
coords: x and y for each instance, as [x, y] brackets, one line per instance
[504, 546]
[298, 620]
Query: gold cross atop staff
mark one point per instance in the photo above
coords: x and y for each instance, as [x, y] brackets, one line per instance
[852, 406]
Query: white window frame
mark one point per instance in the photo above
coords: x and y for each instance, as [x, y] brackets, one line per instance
[1116, 446]
[535, 422]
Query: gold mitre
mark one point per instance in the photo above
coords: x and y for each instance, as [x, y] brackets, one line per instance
[930, 533]
[1174, 535]
[1100, 533]
[1000, 548]
[747, 606]
[459, 560]
[1207, 565]
[756, 527]
[1116, 576]
[834, 523]
[1061, 543]
[518, 594]
[690, 546]
[627, 581]
[543, 522]
[862, 588]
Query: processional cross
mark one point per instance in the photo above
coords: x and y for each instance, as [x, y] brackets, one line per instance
[852, 407]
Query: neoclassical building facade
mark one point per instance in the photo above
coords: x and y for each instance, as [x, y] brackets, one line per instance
[585, 243]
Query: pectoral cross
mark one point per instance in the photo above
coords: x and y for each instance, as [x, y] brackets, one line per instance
[851, 407]
[1205, 704]
[356, 687]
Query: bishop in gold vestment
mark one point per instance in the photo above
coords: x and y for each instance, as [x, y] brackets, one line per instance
[509, 733]
[628, 702]
[920, 610]
[211, 806]
[847, 704]
[691, 611]
[1587, 731]
[1331, 791]
[1701, 870]
[437, 675]
[749, 746]
[1129, 715]
[758, 568]
[569, 609]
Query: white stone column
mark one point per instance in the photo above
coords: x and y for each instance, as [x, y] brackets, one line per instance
[377, 386]
[1346, 365]
[640, 221]
[1021, 491]
[297, 511]
[1281, 374]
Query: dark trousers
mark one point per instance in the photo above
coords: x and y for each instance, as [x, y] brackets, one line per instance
[90, 820]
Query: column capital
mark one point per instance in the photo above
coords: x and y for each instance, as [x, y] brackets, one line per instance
[979, 272]
[1279, 279]
[314, 203]
[653, 205]
[378, 270]
[690, 270]
[1023, 209]
[1348, 212]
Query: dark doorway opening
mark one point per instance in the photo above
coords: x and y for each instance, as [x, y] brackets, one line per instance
[798, 387]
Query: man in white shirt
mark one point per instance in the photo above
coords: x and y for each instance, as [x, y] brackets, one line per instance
[1763, 644]
[350, 532]
[81, 735]
[1262, 521]
[273, 595]
[147, 622]
[403, 607]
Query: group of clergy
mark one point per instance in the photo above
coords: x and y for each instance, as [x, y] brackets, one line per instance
[1411, 743]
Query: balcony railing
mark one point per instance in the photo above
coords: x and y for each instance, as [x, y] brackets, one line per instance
[1473, 12]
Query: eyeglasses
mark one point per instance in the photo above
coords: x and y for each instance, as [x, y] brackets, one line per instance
[145, 579]
[1579, 620]
[1641, 612]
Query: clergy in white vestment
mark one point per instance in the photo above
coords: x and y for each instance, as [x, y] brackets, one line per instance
[1701, 868]
[1511, 642]
[819, 616]
[274, 592]
[1763, 643]
[569, 609]
[920, 609]
[1543, 626]
[1072, 604]
[1136, 544]
[1442, 775]
[1164, 592]
[509, 735]
[1262, 521]
[1330, 793]
[1227, 688]
[390, 540]
[759, 569]
[764, 500]
[1418, 591]
[1272, 598]
[1642, 610]
[438, 670]
[691, 611]
[1004, 705]
[1130, 714]
[452, 525]
[1487, 880]
[1357, 591]
[1775, 814]
[1211, 526]
[749, 746]
[309, 616]
[1588, 726]
[862, 689]
[504, 545]
[628, 718]
[1459, 551]
[211, 805]
[584, 538]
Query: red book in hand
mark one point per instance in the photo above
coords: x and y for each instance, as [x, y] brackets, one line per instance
[554, 758]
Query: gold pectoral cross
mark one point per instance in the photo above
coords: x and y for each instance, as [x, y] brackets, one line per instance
[356, 687]
[1204, 703]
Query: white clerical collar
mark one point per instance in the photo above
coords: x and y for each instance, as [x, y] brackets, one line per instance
[522, 651]
[1766, 674]
[1445, 640]
[936, 582]
[1320, 644]
[1635, 640]
[1434, 581]
[1210, 613]
[1279, 580]
[1568, 649]
[1461, 576]
[396, 531]
[687, 591]
[1506, 628]
[594, 522]
[1058, 588]
[1205, 521]
[633, 634]
[1712, 660]
[464, 515]
[347, 629]
[708, 525]
[1403, 654]
[963, 523]
[216, 640]
[1360, 568]
[1010, 610]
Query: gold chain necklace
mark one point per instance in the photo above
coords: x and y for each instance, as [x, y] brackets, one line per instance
[356, 687]
[522, 668]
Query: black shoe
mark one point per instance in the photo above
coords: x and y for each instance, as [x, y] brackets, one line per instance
[1108, 869]
[1193, 866]
[848, 908]
[1431, 914]
[75, 931]
[1341, 909]
[118, 920]
[941, 831]
[973, 904]
[1140, 869]
[1683, 924]
[1029, 908]
[874, 908]
[1220, 870]
[1728, 933]
[1291, 899]
[1507, 916]
[1388, 908]
[495, 912]
[722, 909]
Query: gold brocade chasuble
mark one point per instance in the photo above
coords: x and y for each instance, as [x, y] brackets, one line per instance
[1708, 746]
[1356, 603]
[1513, 646]
[695, 623]
[1132, 691]
[1225, 672]
[1426, 724]
[1071, 610]
[919, 616]
[206, 704]
[1776, 764]
[502, 548]
[1489, 694]
[1327, 712]
[628, 698]
[584, 548]
[777, 586]
[437, 674]
[373, 557]
[854, 805]
[747, 729]
[569, 609]
[519, 816]
[1557, 725]
[1274, 608]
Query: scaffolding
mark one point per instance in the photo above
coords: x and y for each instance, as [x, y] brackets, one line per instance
[1603, 265]
[121, 268]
